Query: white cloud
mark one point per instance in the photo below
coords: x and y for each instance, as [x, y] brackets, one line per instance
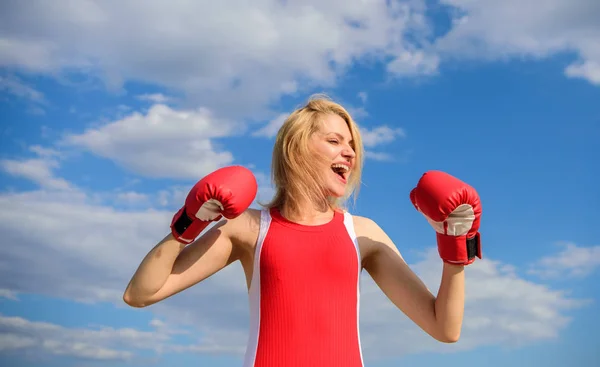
[8, 294]
[105, 344]
[173, 196]
[70, 253]
[18, 88]
[223, 54]
[538, 29]
[161, 143]
[272, 127]
[132, 197]
[415, 62]
[11, 342]
[572, 261]
[363, 96]
[63, 227]
[102, 343]
[158, 98]
[379, 156]
[589, 70]
[236, 59]
[37, 170]
[357, 112]
[40, 170]
[380, 135]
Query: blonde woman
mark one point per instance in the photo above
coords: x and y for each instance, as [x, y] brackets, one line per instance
[303, 253]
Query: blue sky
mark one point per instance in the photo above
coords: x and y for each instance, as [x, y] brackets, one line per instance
[110, 112]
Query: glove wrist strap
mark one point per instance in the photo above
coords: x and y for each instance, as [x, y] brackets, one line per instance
[181, 222]
[185, 229]
[459, 249]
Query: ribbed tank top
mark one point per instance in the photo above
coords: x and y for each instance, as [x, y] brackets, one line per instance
[304, 294]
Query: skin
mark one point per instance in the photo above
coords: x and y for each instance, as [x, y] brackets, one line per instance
[171, 267]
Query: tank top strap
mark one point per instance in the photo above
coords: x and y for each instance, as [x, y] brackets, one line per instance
[265, 223]
[349, 224]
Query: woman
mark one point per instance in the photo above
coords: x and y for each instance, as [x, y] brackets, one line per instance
[303, 253]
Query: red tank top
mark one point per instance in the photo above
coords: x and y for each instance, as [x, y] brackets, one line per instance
[304, 295]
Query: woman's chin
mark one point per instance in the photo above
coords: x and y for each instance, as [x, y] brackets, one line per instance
[336, 189]
[337, 193]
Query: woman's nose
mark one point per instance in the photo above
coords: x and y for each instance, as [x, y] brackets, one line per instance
[349, 152]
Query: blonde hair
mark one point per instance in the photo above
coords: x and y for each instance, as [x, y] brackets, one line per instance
[294, 173]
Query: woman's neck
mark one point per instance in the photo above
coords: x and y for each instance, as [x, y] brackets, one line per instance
[308, 214]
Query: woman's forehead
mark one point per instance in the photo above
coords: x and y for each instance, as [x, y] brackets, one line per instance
[334, 124]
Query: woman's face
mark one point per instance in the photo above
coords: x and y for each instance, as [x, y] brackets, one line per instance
[333, 142]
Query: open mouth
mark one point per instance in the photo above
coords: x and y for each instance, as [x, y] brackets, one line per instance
[341, 170]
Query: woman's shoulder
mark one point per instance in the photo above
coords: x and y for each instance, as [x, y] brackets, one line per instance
[371, 237]
[364, 225]
[369, 230]
[243, 230]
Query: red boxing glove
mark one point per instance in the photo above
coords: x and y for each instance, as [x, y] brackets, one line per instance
[453, 209]
[227, 192]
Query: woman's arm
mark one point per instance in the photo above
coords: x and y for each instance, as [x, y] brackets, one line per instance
[153, 272]
[171, 267]
[441, 316]
[450, 301]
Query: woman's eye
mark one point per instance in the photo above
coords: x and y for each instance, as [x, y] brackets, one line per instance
[333, 141]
